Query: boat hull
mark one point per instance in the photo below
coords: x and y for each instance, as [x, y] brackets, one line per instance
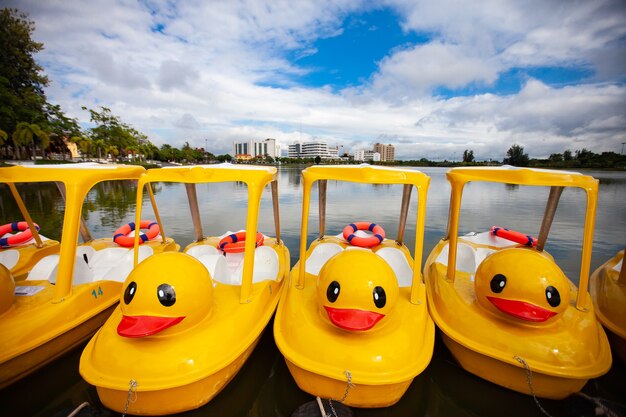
[175, 399]
[513, 377]
[358, 395]
[28, 362]
[562, 357]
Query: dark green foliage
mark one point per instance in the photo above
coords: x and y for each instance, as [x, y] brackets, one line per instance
[468, 155]
[516, 156]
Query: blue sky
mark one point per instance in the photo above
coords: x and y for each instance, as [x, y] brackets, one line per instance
[432, 78]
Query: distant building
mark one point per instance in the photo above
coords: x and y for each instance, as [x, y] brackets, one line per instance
[366, 155]
[294, 150]
[312, 149]
[252, 149]
[387, 152]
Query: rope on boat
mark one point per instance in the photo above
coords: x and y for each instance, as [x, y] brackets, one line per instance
[77, 409]
[321, 406]
[606, 410]
[349, 385]
[529, 380]
[132, 388]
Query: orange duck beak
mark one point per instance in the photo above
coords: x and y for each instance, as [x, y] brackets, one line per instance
[141, 326]
[353, 319]
[522, 310]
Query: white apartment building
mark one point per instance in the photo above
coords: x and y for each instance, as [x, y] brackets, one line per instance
[251, 149]
[295, 150]
[366, 155]
[313, 149]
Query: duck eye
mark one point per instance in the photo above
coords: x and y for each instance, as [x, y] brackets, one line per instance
[497, 283]
[166, 294]
[553, 296]
[130, 292]
[333, 291]
[380, 298]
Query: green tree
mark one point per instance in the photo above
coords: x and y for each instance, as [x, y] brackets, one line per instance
[61, 128]
[113, 151]
[318, 159]
[99, 146]
[113, 131]
[24, 135]
[224, 158]
[83, 143]
[516, 156]
[567, 155]
[468, 155]
[22, 81]
[556, 157]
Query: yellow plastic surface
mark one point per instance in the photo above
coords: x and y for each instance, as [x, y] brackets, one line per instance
[39, 327]
[381, 362]
[186, 365]
[562, 351]
[609, 298]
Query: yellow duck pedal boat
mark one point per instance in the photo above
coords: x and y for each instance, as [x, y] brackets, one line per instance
[506, 311]
[187, 322]
[353, 324]
[50, 312]
[608, 291]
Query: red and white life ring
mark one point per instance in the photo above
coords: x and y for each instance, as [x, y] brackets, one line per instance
[121, 235]
[349, 234]
[514, 236]
[236, 242]
[23, 233]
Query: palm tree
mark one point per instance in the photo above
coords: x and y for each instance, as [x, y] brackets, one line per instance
[99, 144]
[112, 150]
[25, 133]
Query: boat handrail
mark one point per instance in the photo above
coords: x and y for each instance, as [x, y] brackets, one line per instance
[557, 180]
[366, 173]
[255, 177]
[76, 187]
[26, 215]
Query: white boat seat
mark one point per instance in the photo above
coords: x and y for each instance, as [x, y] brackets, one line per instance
[393, 256]
[229, 269]
[9, 257]
[467, 257]
[111, 264]
[320, 255]
[216, 265]
[397, 261]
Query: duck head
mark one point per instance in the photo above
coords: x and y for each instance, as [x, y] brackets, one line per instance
[522, 283]
[7, 289]
[356, 289]
[165, 290]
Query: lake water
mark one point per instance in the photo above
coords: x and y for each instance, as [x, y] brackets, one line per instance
[264, 386]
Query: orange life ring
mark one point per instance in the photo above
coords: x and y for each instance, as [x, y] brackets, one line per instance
[514, 236]
[236, 242]
[121, 235]
[364, 242]
[23, 233]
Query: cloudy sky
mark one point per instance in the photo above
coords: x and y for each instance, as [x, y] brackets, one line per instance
[431, 77]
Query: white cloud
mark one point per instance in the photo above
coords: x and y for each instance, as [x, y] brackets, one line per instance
[194, 70]
[421, 69]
